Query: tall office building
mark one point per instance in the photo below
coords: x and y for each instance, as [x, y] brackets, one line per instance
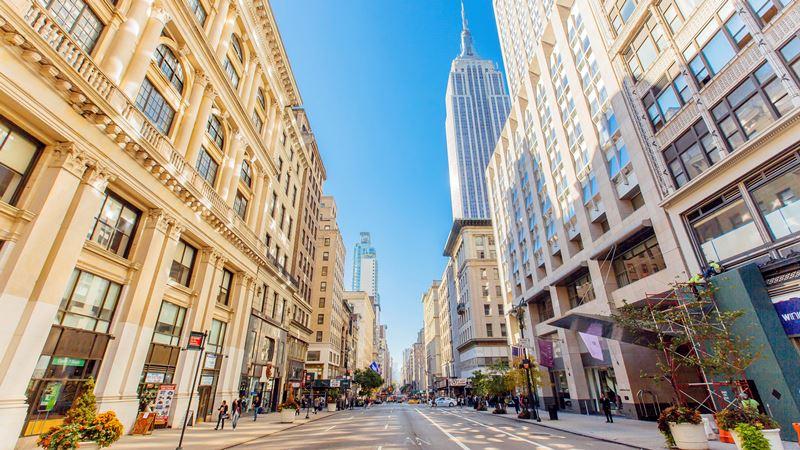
[365, 267]
[477, 106]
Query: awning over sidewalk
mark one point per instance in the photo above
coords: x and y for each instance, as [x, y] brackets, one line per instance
[603, 326]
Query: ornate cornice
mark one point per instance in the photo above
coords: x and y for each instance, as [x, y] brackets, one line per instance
[67, 156]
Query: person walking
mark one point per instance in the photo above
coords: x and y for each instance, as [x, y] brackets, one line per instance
[606, 404]
[256, 407]
[222, 414]
[515, 400]
[236, 412]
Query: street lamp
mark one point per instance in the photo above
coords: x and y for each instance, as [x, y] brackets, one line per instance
[519, 311]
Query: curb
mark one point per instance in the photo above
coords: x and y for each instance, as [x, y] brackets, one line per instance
[310, 419]
[586, 435]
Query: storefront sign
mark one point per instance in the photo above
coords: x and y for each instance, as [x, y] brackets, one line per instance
[211, 361]
[458, 382]
[152, 377]
[163, 402]
[67, 361]
[206, 380]
[335, 383]
[789, 314]
[49, 397]
[196, 340]
[546, 358]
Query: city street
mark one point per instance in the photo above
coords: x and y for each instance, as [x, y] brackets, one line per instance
[403, 426]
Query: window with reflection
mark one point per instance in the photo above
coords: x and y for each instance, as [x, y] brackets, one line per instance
[766, 9]
[114, 224]
[207, 166]
[691, 154]
[716, 44]
[225, 283]
[777, 201]
[18, 153]
[619, 13]
[169, 324]
[236, 46]
[216, 131]
[155, 107]
[199, 11]
[666, 97]
[246, 173]
[233, 74]
[645, 48]
[77, 19]
[580, 290]
[676, 12]
[182, 263]
[752, 106]
[791, 54]
[216, 336]
[724, 228]
[639, 261]
[89, 302]
[170, 66]
[240, 205]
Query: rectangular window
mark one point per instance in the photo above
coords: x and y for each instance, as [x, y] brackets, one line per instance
[324, 271]
[766, 9]
[182, 263]
[207, 166]
[323, 286]
[18, 152]
[752, 106]
[666, 97]
[691, 154]
[644, 49]
[640, 261]
[544, 309]
[731, 35]
[777, 201]
[489, 330]
[619, 13]
[487, 310]
[319, 336]
[169, 324]
[503, 331]
[224, 293]
[155, 107]
[580, 290]
[77, 19]
[320, 319]
[791, 54]
[199, 12]
[240, 205]
[325, 256]
[216, 337]
[114, 224]
[233, 75]
[724, 228]
[258, 122]
[88, 303]
[500, 310]
[322, 302]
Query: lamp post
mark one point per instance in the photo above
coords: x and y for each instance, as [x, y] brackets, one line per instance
[519, 311]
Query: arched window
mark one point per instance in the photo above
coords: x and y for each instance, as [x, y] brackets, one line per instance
[155, 107]
[236, 45]
[215, 130]
[170, 66]
[246, 174]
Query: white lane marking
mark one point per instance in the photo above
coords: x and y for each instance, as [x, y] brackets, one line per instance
[330, 428]
[386, 427]
[501, 431]
[443, 431]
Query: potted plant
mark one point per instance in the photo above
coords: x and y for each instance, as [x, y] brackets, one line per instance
[82, 426]
[750, 429]
[333, 396]
[288, 409]
[683, 428]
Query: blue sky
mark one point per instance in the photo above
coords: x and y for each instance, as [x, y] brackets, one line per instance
[372, 75]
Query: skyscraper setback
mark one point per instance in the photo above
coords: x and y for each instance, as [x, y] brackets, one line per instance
[477, 106]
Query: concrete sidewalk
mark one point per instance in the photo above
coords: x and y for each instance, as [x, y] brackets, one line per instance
[630, 432]
[203, 436]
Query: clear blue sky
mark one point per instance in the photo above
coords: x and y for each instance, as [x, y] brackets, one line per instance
[372, 75]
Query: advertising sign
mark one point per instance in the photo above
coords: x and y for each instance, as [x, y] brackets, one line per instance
[163, 402]
[458, 382]
[335, 383]
[154, 377]
[211, 361]
[789, 314]
[546, 358]
[67, 361]
[49, 397]
[196, 340]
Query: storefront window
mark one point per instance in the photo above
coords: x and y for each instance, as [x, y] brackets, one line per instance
[642, 260]
[778, 202]
[88, 303]
[727, 231]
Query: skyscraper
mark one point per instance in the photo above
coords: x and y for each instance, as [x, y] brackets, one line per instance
[477, 107]
[365, 267]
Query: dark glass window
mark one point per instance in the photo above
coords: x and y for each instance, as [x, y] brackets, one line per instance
[199, 12]
[791, 53]
[640, 261]
[580, 290]
[246, 174]
[544, 309]
[155, 107]
[216, 132]
[182, 263]
[666, 97]
[233, 75]
[224, 294]
[89, 302]
[240, 205]
[260, 99]
[206, 166]
[77, 19]
[169, 324]
[114, 224]
[691, 154]
[18, 152]
[170, 66]
[236, 45]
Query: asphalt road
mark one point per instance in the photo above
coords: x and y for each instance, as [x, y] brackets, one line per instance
[403, 426]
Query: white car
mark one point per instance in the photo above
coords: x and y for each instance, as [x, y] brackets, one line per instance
[445, 401]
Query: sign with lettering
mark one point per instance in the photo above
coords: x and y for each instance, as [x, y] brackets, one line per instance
[546, 358]
[196, 340]
[163, 402]
[789, 314]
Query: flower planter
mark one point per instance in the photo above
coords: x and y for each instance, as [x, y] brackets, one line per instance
[288, 415]
[725, 436]
[331, 407]
[689, 436]
[88, 445]
[773, 437]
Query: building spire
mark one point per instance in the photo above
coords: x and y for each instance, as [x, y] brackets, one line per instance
[467, 50]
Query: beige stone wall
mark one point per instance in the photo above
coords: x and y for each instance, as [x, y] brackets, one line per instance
[365, 312]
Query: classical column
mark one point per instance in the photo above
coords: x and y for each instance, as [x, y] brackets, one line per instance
[190, 115]
[198, 126]
[121, 50]
[232, 170]
[254, 215]
[136, 316]
[247, 86]
[137, 68]
[220, 17]
[65, 198]
[225, 34]
[235, 335]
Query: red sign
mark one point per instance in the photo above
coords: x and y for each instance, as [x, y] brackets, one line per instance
[196, 340]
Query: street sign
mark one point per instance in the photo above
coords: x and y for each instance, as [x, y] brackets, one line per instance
[196, 340]
[525, 342]
[335, 383]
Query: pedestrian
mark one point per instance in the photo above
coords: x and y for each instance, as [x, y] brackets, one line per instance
[222, 414]
[256, 407]
[515, 399]
[606, 403]
[236, 412]
[748, 404]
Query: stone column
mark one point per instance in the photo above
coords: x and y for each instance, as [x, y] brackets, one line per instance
[65, 197]
[121, 50]
[250, 99]
[247, 86]
[235, 336]
[198, 126]
[137, 313]
[140, 61]
[227, 29]
[257, 203]
[232, 170]
[220, 17]
[189, 119]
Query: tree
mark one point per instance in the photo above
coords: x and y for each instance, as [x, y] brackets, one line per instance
[368, 379]
[84, 408]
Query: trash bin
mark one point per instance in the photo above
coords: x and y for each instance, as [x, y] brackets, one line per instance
[553, 411]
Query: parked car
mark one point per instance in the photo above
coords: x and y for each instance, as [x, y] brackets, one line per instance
[445, 401]
[413, 401]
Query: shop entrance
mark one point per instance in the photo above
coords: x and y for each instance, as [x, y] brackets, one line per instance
[205, 409]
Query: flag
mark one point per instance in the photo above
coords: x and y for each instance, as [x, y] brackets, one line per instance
[375, 368]
[546, 355]
[593, 344]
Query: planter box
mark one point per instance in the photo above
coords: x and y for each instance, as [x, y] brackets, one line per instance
[288, 415]
[89, 445]
[689, 436]
[773, 436]
[331, 407]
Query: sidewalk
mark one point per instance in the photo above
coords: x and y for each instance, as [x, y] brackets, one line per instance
[203, 435]
[630, 432]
